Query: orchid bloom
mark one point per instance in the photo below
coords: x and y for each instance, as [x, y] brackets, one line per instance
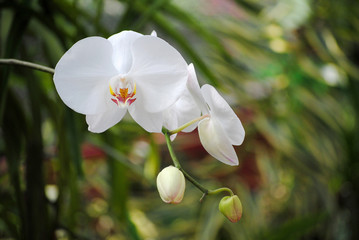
[103, 78]
[220, 128]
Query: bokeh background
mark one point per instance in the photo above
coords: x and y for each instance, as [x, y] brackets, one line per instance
[289, 68]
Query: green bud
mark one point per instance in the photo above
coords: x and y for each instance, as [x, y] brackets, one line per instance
[231, 208]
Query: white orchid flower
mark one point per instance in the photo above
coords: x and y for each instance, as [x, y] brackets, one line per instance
[221, 128]
[103, 78]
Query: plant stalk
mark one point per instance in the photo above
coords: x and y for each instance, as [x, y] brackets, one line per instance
[188, 124]
[11, 61]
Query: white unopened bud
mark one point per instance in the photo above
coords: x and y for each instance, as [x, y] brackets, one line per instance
[171, 185]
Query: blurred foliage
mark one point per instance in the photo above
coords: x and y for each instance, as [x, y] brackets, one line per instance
[288, 67]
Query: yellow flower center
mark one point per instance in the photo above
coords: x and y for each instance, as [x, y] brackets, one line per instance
[123, 91]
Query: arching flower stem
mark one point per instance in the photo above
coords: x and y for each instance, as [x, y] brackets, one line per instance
[204, 190]
[10, 61]
[187, 124]
[218, 190]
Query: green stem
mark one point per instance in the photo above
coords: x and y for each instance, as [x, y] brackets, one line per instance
[218, 190]
[188, 124]
[204, 190]
[170, 149]
[35, 66]
[178, 165]
[194, 182]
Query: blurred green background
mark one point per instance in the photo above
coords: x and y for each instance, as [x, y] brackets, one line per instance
[290, 70]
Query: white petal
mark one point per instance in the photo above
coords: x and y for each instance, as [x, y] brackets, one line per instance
[159, 71]
[181, 112]
[170, 118]
[151, 122]
[170, 121]
[194, 89]
[82, 76]
[122, 43]
[187, 110]
[173, 137]
[224, 114]
[153, 33]
[214, 140]
[101, 122]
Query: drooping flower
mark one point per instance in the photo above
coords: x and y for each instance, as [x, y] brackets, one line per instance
[171, 185]
[221, 128]
[103, 78]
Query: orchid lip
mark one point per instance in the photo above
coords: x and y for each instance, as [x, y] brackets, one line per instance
[122, 90]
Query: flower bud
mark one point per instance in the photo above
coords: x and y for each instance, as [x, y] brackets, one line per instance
[231, 208]
[171, 185]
